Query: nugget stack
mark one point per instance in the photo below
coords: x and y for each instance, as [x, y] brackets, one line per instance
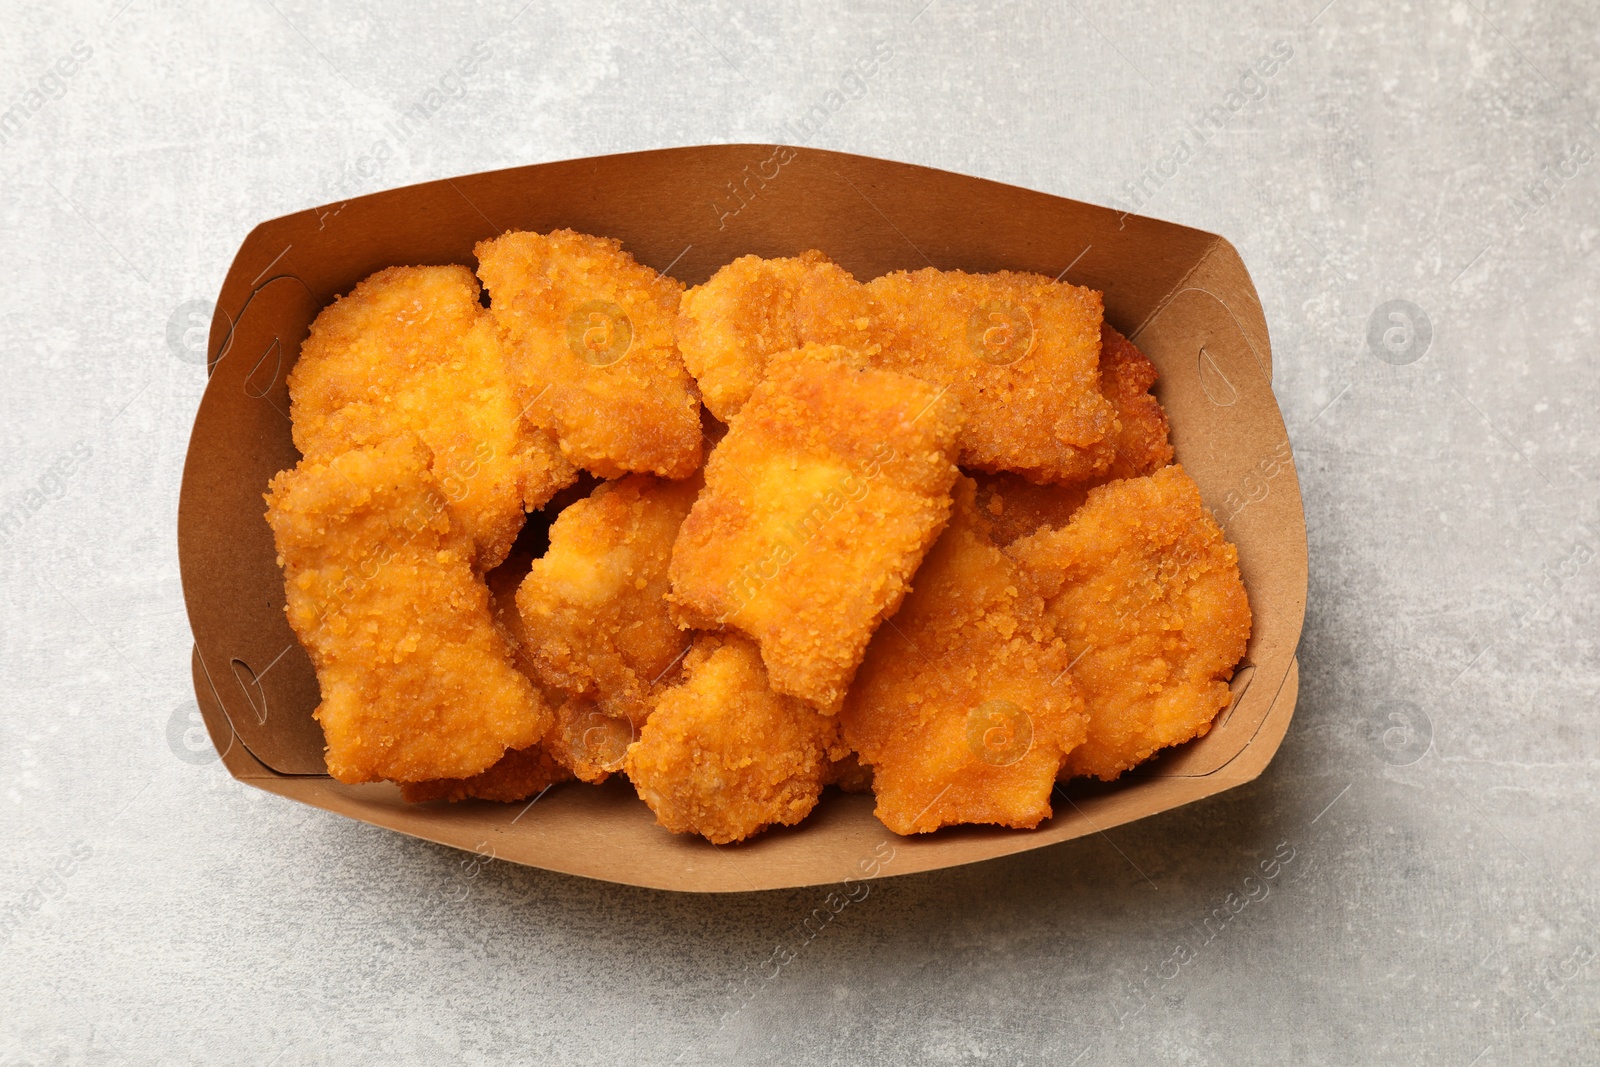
[920, 535]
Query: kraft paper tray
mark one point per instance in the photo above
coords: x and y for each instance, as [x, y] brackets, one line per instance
[1182, 295]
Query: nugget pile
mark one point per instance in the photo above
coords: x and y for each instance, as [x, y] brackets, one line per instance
[920, 535]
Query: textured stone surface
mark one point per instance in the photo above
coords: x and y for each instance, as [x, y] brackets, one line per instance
[1440, 903]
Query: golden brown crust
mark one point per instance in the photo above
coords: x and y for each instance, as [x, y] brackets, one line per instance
[1146, 593]
[850, 774]
[1126, 375]
[519, 774]
[753, 309]
[1019, 352]
[590, 336]
[503, 582]
[594, 605]
[964, 706]
[1016, 507]
[410, 349]
[417, 683]
[590, 739]
[724, 756]
[819, 503]
[1104, 629]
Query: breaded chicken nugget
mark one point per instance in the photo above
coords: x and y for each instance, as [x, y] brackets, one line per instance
[595, 605]
[417, 683]
[724, 756]
[587, 740]
[819, 503]
[590, 335]
[1146, 594]
[754, 308]
[519, 774]
[1016, 507]
[1126, 375]
[523, 772]
[850, 774]
[1019, 352]
[964, 706]
[590, 739]
[411, 349]
[503, 583]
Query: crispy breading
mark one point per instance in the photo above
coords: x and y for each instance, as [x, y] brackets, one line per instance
[503, 583]
[411, 349]
[1016, 507]
[723, 755]
[754, 308]
[594, 605]
[1018, 351]
[850, 774]
[590, 337]
[590, 738]
[829, 487]
[964, 706]
[1146, 593]
[1126, 375]
[1075, 609]
[518, 775]
[417, 684]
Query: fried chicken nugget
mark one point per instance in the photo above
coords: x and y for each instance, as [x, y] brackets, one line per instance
[829, 487]
[1019, 351]
[503, 583]
[724, 756]
[850, 774]
[590, 335]
[1146, 594]
[595, 604]
[590, 739]
[410, 349]
[1126, 375]
[586, 741]
[754, 308]
[1017, 507]
[518, 775]
[1022, 355]
[417, 684]
[964, 706]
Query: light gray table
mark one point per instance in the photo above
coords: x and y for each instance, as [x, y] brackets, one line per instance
[1440, 903]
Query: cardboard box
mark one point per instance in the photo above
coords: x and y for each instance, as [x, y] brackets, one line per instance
[1182, 295]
